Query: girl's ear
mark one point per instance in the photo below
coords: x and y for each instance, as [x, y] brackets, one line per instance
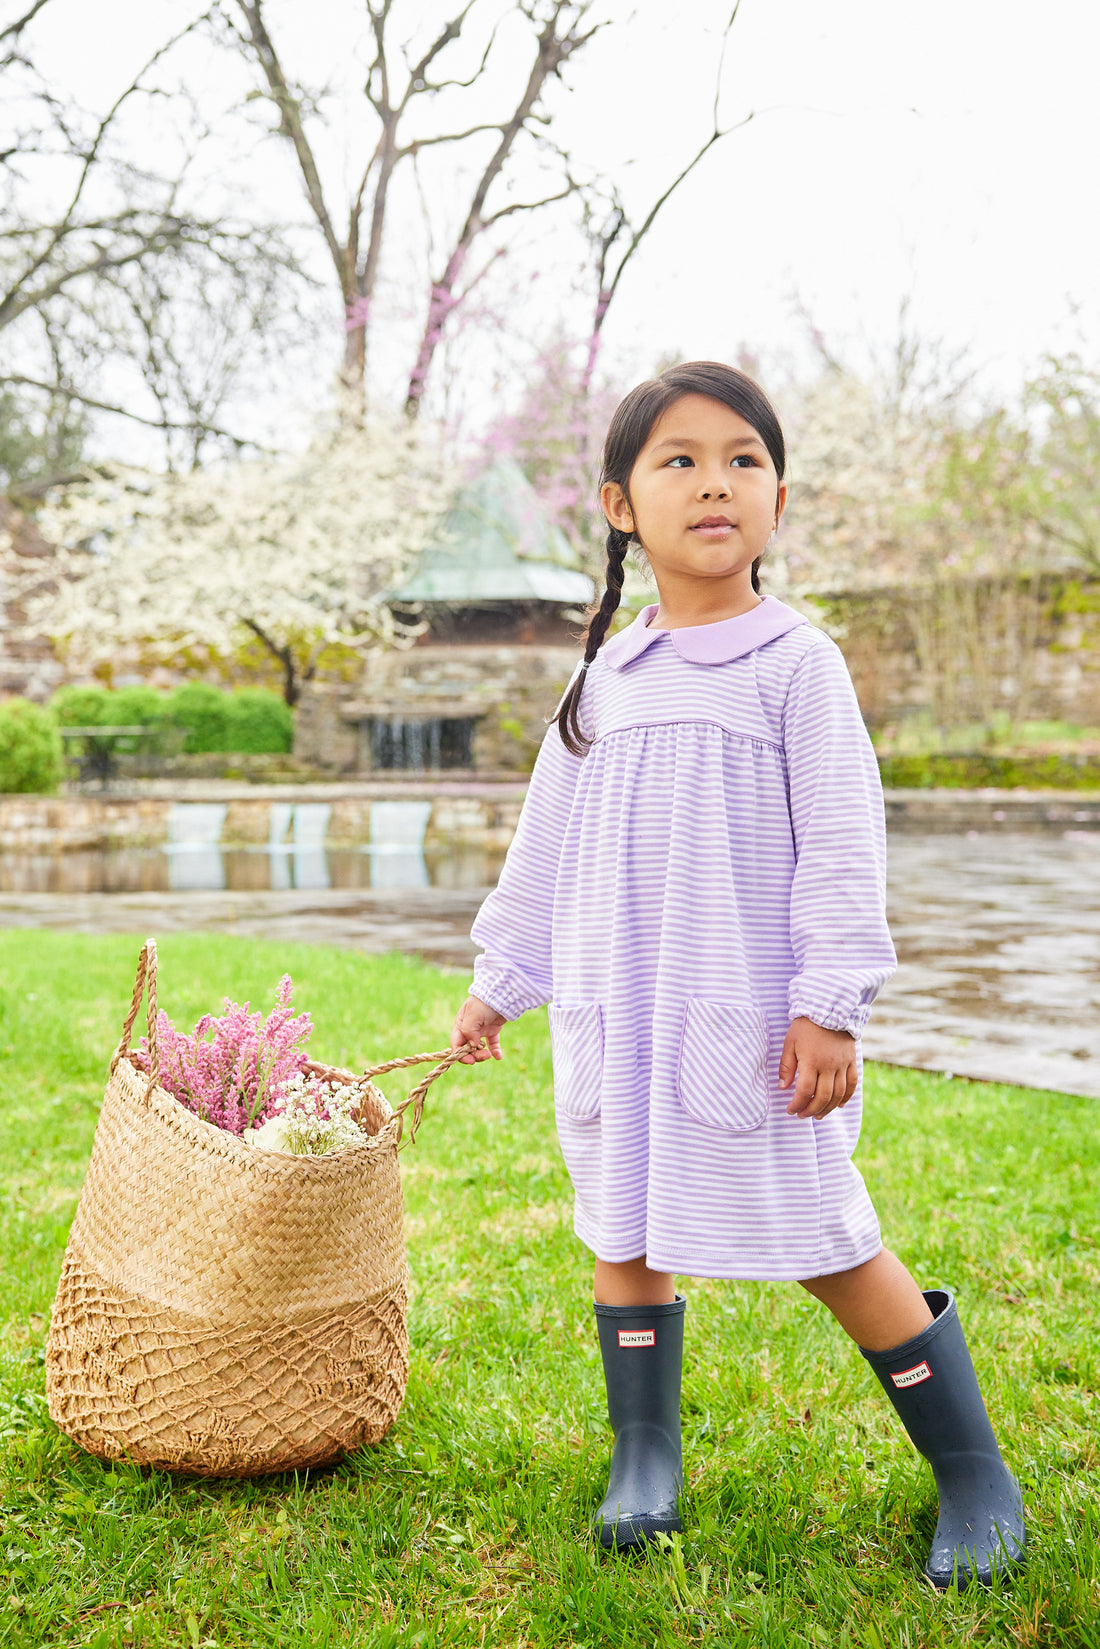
[780, 502]
[616, 507]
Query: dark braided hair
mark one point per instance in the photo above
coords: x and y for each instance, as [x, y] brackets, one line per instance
[628, 433]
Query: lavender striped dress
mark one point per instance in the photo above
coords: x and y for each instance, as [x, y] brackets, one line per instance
[712, 868]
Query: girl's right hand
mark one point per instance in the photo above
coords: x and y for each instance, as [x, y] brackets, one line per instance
[476, 1020]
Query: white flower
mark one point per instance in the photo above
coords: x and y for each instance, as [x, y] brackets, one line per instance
[300, 1129]
[271, 1135]
[302, 549]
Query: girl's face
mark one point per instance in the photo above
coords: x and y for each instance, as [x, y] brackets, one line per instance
[704, 496]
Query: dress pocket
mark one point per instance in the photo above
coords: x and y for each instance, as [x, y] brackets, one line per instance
[724, 1065]
[577, 1038]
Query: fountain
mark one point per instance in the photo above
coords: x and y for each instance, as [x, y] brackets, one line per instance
[397, 844]
[194, 856]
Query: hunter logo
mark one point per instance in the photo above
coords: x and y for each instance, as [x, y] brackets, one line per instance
[636, 1337]
[912, 1376]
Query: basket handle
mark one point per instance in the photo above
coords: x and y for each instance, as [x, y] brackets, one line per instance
[146, 979]
[446, 1058]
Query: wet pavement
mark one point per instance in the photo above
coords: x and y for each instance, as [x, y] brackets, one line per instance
[998, 941]
[998, 938]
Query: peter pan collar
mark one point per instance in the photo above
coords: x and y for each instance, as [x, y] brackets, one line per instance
[717, 643]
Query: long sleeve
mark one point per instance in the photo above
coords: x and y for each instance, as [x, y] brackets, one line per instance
[513, 926]
[841, 943]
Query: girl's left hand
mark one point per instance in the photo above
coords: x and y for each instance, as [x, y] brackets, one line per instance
[825, 1064]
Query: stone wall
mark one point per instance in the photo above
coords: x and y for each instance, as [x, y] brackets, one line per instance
[29, 667]
[483, 817]
[509, 689]
[1031, 653]
[464, 817]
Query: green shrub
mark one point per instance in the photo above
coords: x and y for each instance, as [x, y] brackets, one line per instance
[205, 712]
[962, 772]
[83, 706]
[138, 707]
[259, 723]
[30, 748]
[249, 721]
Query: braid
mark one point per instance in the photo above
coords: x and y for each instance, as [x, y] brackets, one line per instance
[568, 713]
[756, 574]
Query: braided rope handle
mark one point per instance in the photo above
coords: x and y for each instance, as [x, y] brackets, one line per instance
[147, 981]
[446, 1058]
[146, 978]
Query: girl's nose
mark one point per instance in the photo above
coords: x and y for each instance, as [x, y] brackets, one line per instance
[715, 489]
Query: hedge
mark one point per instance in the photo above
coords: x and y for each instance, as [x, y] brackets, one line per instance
[978, 771]
[30, 748]
[248, 720]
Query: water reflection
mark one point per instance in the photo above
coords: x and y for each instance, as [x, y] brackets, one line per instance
[397, 844]
[182, 867]
[296, 845]
[194, 858]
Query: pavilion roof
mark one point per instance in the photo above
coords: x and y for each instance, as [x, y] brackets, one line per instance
[497, 544]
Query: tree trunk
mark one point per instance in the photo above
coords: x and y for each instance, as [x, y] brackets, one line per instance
[292, 688]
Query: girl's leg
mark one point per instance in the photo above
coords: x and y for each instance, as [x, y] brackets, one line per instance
[640, 1322]
[630, 1282]
[878, 1304]
[915, 1344]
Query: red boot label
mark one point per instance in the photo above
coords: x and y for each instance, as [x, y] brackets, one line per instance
[912, 1376]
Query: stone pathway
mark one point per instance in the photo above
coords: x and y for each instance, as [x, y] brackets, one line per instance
[998, 937]
[998, 941]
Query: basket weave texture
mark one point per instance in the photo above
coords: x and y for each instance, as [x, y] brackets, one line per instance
[225, 1310]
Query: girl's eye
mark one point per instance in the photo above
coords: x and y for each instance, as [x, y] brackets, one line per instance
[746, 459]
[682, 459]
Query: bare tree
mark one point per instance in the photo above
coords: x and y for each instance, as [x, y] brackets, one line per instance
[561, 29]
[614, 239]
[124, 271]
[88, 271]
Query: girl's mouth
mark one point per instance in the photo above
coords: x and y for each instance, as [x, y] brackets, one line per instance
[713, 526]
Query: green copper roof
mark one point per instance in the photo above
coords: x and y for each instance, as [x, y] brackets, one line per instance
[495, 544]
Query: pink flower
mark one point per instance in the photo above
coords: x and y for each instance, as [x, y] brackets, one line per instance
[232, 1069]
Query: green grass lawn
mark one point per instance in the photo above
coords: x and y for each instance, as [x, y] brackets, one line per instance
[809, 1513]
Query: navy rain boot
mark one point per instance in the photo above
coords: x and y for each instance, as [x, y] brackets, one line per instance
[643, 1351]
[931, 1382]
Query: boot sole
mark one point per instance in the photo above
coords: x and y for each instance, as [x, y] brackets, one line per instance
[630, 1534]
[968, 1578]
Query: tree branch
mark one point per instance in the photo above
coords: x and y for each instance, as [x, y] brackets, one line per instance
[17, 27]
[387, 156]
[418, 82]
[164, 424]
[607, 290]
[418, 71]
[291, 689]
[160, 239]
[553, 50]
[419, 143]
[90, 157]
[290, 124]
[530, 205]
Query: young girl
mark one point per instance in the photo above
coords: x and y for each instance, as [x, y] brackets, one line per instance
[696, 886]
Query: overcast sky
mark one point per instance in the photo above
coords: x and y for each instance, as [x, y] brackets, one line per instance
[944, 153]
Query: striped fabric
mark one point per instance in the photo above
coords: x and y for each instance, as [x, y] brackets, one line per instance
[712, 868]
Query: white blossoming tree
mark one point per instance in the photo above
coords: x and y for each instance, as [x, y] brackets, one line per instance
[295, 552]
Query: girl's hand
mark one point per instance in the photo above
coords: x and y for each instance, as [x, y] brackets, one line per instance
[474, 1021]
[825, 1063]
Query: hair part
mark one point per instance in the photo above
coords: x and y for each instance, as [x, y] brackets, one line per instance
[630, 428]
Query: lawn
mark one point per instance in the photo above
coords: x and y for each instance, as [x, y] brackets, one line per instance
[808, 1512]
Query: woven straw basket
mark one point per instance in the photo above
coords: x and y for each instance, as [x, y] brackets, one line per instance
[224, 1310]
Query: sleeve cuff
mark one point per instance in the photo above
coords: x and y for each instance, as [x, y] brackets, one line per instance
[500, 990]
[831, 1017]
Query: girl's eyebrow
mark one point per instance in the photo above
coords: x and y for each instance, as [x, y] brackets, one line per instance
[689, 441]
